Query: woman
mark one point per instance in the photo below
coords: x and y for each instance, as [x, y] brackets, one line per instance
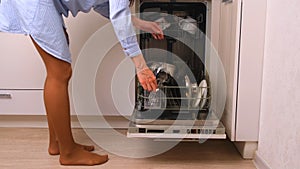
[42, 20]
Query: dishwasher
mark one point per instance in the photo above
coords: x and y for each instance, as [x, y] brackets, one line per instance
[181, 108]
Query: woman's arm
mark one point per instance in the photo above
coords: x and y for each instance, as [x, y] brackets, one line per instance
[121, 20]
[148, 26]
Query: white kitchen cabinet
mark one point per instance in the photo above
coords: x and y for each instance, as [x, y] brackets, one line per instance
[241, 48]
[20, 65]
[21, 76]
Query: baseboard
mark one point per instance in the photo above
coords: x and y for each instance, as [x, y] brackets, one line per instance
[259, 162]
[40, 121]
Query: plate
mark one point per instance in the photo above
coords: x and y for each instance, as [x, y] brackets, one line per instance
[202, 92]
[188, 86]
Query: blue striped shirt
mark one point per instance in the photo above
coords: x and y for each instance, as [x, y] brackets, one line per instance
[38, 18]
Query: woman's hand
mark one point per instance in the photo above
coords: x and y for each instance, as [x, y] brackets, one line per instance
[144, 74]
[148, 26]
[147, 79]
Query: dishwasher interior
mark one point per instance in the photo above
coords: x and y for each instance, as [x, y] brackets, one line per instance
[180, 108]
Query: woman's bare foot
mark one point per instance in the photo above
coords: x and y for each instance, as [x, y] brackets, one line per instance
[54, 148]
[78, 156]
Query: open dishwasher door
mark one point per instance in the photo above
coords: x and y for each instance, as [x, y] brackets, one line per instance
[187, 127]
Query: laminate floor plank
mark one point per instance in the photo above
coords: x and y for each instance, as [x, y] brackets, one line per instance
[26, 148]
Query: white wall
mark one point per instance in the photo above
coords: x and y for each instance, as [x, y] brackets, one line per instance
[279, 139]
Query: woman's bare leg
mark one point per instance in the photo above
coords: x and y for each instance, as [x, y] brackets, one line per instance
[57, 106]
[53, 143]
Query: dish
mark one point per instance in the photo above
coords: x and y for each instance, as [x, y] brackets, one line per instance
[188, 86]
[163, 23]
[162, 66]
[203, 88]
[202, 93]
[189, 25]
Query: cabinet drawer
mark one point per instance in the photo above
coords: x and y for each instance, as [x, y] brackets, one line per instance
[21, 102]
[21, 67]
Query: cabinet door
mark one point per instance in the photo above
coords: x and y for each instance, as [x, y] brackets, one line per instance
[20, 65]
[228, 48]
[250, 69]
[241, 43]
[21, 102]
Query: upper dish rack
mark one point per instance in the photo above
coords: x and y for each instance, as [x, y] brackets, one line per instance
[177, 19]
[177, 27]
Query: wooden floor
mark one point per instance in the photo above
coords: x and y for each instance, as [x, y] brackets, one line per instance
[24, 148]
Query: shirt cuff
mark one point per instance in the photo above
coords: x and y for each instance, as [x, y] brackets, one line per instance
[133, 51]
[130, 46]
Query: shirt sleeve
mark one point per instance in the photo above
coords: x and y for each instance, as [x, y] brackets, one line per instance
[120, 16]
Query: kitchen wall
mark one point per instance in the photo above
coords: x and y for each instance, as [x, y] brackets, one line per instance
[279, 139]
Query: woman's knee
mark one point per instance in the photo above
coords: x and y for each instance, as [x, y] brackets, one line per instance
[56, 69]
[60, 73]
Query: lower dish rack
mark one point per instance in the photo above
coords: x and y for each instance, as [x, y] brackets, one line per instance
[177, 99]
